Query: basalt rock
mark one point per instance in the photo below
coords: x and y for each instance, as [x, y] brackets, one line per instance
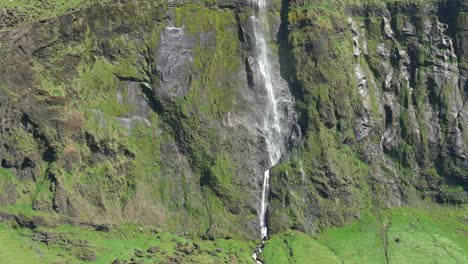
[136, 111]
[384, 114]
[151, 112]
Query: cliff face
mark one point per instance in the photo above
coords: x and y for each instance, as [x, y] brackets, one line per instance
[146, 111]
[136, 111]
[382, 92]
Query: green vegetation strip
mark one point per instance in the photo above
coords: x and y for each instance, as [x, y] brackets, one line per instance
[68, 244]
[402, 235]
[14, 12]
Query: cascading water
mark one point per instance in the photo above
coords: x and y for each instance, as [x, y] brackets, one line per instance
[277, 100]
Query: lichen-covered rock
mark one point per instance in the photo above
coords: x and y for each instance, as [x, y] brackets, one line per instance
[149, 112]
[137, 111]
[391, 74]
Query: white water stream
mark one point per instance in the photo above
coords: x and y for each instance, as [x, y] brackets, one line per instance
[273, 116]
[271, 122]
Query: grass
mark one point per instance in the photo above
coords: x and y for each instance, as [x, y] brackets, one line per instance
[30, 10]
[296, 247]
[405, 235]
[360, 242]
[17, 246]
[46, 8]
[435, 237]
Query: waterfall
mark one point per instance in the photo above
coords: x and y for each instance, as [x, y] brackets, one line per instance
[271, 117]
[276, 119]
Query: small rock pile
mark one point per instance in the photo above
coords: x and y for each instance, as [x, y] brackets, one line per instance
[12, 16]
[77, 247]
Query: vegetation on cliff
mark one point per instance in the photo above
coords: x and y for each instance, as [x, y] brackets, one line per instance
[121, 115]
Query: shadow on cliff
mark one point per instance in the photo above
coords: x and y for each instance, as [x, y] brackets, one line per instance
[287, 69]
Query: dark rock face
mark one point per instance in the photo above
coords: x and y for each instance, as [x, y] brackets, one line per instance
[174, 58]
[138, 111]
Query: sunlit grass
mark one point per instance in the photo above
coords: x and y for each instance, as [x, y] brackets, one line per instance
[403, 235]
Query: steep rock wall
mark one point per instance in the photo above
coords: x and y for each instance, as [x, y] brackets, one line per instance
[135, 111]
[146, 111]
[382, 91]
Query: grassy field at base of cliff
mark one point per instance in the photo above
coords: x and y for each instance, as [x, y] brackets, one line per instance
[400, 235]
[130, 244]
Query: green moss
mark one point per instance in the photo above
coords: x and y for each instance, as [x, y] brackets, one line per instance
[97, 80]
[6, 178]
[304, 177]
[223, 175]
[405, 126]
[374, 90]
[215, 64]
[27, 11]
[47, 84]
[23, 141]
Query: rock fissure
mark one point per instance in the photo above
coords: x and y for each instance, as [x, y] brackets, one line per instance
[384, 232]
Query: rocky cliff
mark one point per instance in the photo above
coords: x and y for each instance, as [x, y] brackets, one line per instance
[135, 111]
[146, 111]
[382, 95]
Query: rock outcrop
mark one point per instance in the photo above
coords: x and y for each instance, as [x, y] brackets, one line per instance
[383, 88]
[135, 111]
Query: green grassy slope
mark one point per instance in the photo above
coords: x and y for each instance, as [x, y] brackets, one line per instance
[23, 11]
[438, 237]
[402, 235]
[68, 244]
